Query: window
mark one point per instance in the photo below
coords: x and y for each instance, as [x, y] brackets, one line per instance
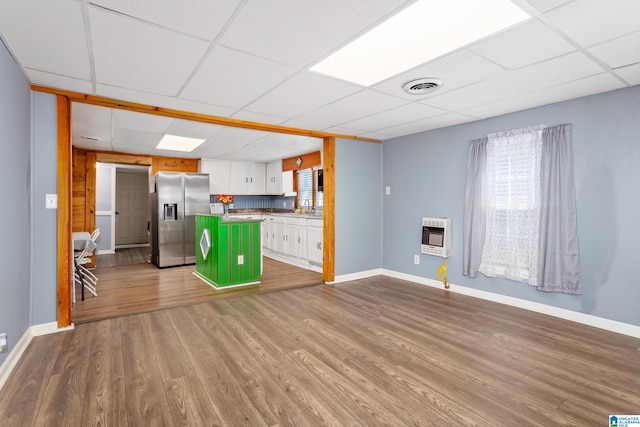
[511, 194]
[307, 188]
[520, 209]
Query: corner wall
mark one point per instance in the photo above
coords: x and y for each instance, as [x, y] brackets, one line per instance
[427, 174]
[15, 193]
[358, 211]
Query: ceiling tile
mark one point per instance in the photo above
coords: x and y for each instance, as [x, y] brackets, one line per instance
[534, 77]
[233, 79]
[453, 69]
[124, 119]
[140, 56]
[232, 138]
[132, 141]
[300, 124]
[575, 89]
[41, 78]
[342, 130]
[404, 114]
[163, 101]
[47, 36]
[249, 116]
[200, 18]
[619, 52]
[297, 32]
[594, 21]
[546, 5]
[523, 45]
[353, 107]
[444, 120]
[93, 145]
[304, 92]
[91, 121]
[630, 74]
[191, 129]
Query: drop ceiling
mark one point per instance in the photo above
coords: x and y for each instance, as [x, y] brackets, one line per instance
[249, 60]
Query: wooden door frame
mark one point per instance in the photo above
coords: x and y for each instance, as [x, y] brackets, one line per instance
[63, 102]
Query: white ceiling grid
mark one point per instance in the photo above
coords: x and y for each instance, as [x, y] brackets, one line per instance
[250, 60]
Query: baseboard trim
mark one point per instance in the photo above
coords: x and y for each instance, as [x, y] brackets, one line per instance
[586, 319]
[297, 262]
[357, 276]
[15, 355]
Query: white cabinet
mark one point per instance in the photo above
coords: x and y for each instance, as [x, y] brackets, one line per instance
[268, 232]
[296, 237]
[314, 238]
[219, 175]
[287, 182]
[274, 177]
[248, 178]
[280, 239]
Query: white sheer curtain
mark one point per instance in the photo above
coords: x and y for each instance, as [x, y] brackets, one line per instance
[511, 191]
[520, 218]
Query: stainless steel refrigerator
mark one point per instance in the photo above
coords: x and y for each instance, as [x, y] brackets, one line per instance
[175, 201]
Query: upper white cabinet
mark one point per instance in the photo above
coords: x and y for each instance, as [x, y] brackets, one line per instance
[248, 178]
[274, 177]
[219, 175]
[287, 182]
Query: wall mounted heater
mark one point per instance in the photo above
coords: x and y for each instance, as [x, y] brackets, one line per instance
[436, 237]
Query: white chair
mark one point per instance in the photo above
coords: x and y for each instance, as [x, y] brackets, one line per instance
[81, 273]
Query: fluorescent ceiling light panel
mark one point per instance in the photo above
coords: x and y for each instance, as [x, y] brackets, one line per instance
[179, 143]
[423, 31]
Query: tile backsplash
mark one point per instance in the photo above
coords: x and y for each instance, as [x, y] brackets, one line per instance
[260, 202]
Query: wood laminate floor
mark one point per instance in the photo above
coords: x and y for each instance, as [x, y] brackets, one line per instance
[378, 351]
[139, 288]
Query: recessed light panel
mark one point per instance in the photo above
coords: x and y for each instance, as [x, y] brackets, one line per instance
[179, 143]
[423, 31]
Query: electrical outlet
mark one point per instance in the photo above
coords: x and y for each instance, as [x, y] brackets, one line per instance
[416, 259]
[240, 259]
[3, 343]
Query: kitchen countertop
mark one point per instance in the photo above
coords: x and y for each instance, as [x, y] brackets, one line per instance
[285, 214]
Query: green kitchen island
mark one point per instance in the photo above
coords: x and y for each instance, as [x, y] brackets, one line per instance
[228, 252]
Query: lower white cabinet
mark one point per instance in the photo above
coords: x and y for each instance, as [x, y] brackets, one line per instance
[287, 238]
[296, 237]
[314, 239]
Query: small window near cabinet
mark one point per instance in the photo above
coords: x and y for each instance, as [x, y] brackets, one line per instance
[310, 193]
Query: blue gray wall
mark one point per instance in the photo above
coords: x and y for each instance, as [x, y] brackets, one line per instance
[427, 174]
[358, 211]
[44, 222]
[15, 190]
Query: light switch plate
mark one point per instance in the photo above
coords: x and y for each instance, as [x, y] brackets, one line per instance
[51, 201]
[387, 190]
[240, 259]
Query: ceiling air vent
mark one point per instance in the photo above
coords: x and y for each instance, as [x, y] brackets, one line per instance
[422, 86]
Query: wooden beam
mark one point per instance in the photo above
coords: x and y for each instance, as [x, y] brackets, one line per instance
[177, 114]
[63, 106]
[123, 158]
[308, 160]
[329, 229]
